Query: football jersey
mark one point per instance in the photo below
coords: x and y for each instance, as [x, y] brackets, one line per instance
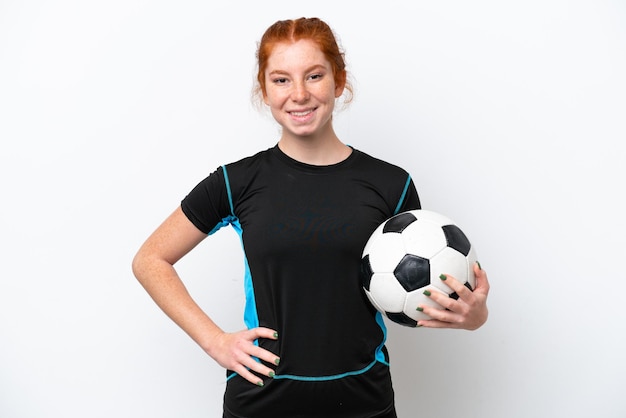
[303, 229]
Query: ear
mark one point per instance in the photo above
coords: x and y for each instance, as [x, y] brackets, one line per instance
[340, 83]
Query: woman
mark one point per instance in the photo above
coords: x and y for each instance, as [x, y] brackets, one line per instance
[314, 346]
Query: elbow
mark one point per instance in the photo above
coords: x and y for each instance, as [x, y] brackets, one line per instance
[138, 265]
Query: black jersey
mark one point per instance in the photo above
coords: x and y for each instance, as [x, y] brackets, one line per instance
[303, 230]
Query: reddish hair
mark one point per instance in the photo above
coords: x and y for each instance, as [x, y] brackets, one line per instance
[312, 29]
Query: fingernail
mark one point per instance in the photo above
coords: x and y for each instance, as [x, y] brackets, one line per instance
[427, 292]
[479, 266]
[443, 276]
[259, 383]
[271, 374]
[419, 308]
[275, 335]
[417, 325]
[277, 361]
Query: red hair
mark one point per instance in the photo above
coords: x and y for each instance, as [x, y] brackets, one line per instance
[312, 29]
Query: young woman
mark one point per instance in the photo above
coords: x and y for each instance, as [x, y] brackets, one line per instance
[314, 346]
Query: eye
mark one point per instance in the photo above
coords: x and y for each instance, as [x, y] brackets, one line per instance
[279, 80]
[316, 76]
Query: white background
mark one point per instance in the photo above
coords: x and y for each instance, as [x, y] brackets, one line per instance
[510, 117]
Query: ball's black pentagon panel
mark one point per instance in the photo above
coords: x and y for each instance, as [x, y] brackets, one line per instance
[413, 272]
[457, 239]
[366, 272]
[401, 318]
[399, 222]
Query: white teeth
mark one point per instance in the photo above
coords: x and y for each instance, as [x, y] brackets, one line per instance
[301, 113]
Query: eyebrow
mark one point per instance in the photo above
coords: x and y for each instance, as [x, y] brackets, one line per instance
[308, 70]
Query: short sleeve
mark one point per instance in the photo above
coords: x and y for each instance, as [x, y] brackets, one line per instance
[207, 205]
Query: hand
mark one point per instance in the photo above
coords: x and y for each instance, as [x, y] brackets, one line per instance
[469, 311]
[236, 352]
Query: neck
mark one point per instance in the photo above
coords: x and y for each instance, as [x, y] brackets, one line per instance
[326, 150]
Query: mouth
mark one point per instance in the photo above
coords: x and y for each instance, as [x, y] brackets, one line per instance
[301, 114]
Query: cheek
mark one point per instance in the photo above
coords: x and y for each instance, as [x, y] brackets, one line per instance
[269, 99]
[274, 97]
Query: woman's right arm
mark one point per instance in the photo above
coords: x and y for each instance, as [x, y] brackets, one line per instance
[153, 266]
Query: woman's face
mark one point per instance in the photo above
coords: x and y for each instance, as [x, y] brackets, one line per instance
[300, 89]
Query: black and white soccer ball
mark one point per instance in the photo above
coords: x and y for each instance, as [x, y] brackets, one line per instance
[405, 256]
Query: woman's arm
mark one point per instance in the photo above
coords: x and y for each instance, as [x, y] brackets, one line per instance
[153, 266]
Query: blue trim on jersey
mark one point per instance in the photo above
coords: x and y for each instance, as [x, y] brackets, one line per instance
[325, 378]
[406, 188]
[380, 356]
[322, 378]
[250, 315]
[230, 195]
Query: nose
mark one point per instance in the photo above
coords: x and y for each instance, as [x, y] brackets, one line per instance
[299, 92]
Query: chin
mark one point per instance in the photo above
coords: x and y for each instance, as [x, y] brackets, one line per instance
[303, 133]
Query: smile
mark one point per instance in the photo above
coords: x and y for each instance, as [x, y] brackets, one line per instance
[302, 113]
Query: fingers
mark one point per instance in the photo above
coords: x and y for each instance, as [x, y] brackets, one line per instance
[239, 353]
[482, 284]
[462, 291]
[468, 311]
[263, 354]
[445, 312]
[254, 353]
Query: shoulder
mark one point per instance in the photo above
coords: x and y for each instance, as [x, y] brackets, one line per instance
[370, 162]
[219, 180]
[254, 167]
[390, 180]
[249, 161]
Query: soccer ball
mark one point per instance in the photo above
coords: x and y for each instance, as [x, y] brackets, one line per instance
[405, 256]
